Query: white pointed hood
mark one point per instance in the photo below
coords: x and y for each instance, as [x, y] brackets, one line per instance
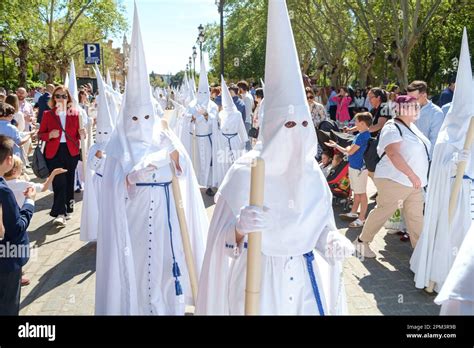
[104, 120]
[192, 83]
[138, 124]
[66, 80]
[203, 94]
[185, 85]
[72, 84]
[296, 191]
[287, 117]
[456, 122]
[228, 107]
[227, 102]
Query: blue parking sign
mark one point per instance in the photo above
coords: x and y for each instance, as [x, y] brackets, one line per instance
[92, 53]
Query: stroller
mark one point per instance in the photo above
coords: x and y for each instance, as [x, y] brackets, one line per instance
[338, 181]
[328, 130]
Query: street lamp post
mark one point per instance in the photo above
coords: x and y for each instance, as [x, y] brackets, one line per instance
[220, 5]
[3, 47]
[190, 61]
[194, 60]
[200, 37]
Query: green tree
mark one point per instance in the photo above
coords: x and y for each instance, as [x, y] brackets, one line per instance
[56, 30]
[433, 56]
[244, 41]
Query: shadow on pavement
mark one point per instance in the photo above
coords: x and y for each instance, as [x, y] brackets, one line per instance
[392, 283]
[82, 261]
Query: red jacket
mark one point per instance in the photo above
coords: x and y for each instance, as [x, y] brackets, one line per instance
[51, 121]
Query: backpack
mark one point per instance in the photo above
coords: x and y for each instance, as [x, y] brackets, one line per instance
[371, 157]
[39, 166]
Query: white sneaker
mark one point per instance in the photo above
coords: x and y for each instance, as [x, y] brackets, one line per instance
[349, 216]
[363, 249]
[68, 217]
[60, 221]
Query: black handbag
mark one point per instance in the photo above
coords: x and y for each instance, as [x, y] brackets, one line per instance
[39, 166]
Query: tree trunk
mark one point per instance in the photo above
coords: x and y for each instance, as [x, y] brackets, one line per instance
[336, 68]
[402, 73]
[49, 63]
[23, 48]
[363, 73]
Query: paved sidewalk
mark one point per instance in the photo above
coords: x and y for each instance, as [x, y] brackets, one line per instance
[62, 271]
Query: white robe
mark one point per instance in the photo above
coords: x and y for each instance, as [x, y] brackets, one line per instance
[222, 282]
[437, 247]
[208, 144]
[134, 256]
[285, 289]
[234, 137]
[90, 205]
[457, 294]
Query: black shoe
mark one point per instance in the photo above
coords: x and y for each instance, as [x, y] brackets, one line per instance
[78, 190]
[210, 193]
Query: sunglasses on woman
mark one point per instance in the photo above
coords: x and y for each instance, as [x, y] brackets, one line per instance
[309, 97]
[60, 96]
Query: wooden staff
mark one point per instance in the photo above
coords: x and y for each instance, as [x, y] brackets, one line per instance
[254, 252]
[83, 144]
[188, 253]
[460, 171]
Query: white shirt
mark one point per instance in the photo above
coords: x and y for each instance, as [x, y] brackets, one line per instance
[367, 104]
[359, 102]
[20, 119]
[411, 149]
[249, 103]
[19, 187]
[62, 117]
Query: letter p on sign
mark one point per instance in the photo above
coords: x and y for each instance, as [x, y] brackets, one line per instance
[92, 53]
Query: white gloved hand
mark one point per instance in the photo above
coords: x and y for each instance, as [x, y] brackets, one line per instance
[140, 176]
[252, 219]
[338, 247]
[462, 156]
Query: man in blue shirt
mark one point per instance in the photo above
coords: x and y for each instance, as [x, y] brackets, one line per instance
[445, 108]
[43, 102]
[431, 116]
[14, 244]
[8, 129]
[446, 96]
[358, 174]
[239, 103]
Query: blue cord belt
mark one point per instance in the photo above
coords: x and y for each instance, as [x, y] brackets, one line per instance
[229, 137]
[176, 271]
[309, 263]
[465, 177]
[203, 136]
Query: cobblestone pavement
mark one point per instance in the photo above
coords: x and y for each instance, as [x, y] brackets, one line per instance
[62, 271]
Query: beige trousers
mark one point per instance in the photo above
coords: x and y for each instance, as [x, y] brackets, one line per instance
[392, 196]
